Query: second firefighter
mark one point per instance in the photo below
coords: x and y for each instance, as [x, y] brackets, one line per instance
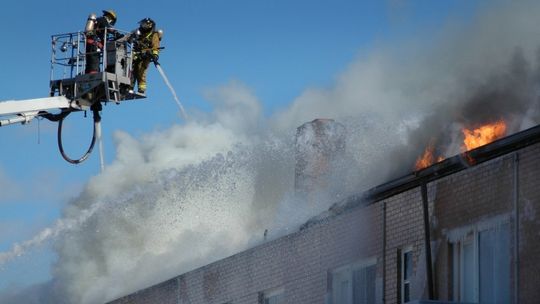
[145, 50]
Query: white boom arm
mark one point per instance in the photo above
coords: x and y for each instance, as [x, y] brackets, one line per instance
[23, 111]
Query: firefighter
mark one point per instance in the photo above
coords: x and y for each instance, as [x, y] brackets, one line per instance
[146, 50]
[95, 31]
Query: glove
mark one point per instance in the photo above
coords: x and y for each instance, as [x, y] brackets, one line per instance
[155, 57]
[144, 55]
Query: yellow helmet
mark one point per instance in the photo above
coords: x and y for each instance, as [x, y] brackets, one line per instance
[111, 14]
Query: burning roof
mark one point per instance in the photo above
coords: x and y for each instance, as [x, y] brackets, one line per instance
[472, 138]
[435, 171]
[456, 163]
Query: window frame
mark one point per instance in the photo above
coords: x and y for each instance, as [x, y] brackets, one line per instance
[402, 280]
[267, 294]
[472, 237]
[346, 272]
[459, 266]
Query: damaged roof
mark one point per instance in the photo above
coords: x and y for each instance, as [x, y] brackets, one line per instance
[446, 167]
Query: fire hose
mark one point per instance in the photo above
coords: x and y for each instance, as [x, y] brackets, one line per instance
[95, 134]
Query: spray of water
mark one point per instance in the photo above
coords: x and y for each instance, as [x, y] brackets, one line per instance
[50, 233]
[195, 193]
[164, 76]
[100, 143]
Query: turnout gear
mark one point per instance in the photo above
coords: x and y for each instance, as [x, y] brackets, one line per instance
[146, 50]
[95, 36]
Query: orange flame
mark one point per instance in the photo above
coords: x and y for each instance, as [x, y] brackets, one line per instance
[483, 135]
[427, 158]
[474, 138]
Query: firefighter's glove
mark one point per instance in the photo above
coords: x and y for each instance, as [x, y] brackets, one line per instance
[145, 55]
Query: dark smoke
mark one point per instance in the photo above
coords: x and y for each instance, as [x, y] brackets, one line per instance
[510, 95]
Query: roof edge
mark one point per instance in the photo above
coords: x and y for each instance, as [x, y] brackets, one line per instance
[454, 164]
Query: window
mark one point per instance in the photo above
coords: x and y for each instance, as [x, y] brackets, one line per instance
[406, 273]
[494, 265]
[481, 266]
[275, 296]
[354, 284]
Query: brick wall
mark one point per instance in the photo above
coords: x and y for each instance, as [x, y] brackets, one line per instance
[301, 262]
[163, 293]
[529, 219]
[298, 263]
[404, 228]
[463, 199]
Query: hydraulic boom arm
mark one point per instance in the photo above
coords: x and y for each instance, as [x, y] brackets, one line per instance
[23, 111]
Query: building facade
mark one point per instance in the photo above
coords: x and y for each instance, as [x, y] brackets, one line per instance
[466, 230]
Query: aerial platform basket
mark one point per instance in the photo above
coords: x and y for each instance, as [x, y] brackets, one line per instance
[112, 81]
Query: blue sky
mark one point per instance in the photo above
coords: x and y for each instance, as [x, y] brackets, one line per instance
[276, 48]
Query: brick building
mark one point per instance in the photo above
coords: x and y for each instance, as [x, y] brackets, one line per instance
[483, 234]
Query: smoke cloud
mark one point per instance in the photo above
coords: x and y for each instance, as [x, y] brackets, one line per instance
[180, 198]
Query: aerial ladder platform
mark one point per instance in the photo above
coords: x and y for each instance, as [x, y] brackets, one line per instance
[72, 90]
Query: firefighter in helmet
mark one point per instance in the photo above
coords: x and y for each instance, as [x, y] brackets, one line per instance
[145, 50]
[95, 36]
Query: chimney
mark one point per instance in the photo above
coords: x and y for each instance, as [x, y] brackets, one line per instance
[319, 144]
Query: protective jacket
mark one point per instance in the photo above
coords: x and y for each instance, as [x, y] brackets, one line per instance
[147, 44]
[146, 49]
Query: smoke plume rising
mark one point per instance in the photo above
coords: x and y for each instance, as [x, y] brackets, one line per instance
[180, 198]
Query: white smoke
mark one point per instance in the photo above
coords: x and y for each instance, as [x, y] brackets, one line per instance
[180, 198]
